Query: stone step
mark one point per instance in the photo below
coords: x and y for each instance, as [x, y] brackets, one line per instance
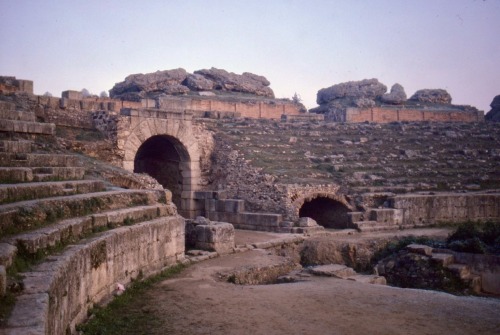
[474, 282]
[443, 259]
[7, 106]
[28, 215]
[34, 160]
[15, 175]
[17, 115]
[369, 226]
[333, 270]
[461, 270]
[58, 173]
[27, 127]
[28, 191]
[73, 230]
[368, 279]
[15, 146]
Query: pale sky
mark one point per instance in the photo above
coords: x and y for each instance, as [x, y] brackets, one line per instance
[299, 46]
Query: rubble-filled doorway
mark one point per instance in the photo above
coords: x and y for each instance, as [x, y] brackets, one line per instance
[162, 157]
[327, 212]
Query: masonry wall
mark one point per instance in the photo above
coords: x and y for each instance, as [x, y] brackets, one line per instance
[59, 293]
[271, 109]
[384, 115]
[455, 208]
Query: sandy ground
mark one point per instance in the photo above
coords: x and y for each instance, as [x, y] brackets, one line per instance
[196, 302]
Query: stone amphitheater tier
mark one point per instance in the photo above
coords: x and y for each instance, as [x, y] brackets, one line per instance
[395, 174]
[81, 236]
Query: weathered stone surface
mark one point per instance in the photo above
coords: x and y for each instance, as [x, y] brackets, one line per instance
[396, 97]
[494, 113]
[217, 237]
[168, 81]
[307, 222]
[438, 96]
[229, 81]
[333, 270]
[197, 82]
[367, 88]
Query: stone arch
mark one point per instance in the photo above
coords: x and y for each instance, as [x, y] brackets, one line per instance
[163, 157]
[329, 210]
[176, 136]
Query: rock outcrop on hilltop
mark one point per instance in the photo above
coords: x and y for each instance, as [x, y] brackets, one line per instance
[494, 113]
[436, 96]
[370, 93]
[334, 100]
[179, 82]
[397, 96]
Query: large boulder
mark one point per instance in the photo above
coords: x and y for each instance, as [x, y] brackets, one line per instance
[177, 82]
[197, 82]
[494, 113]
[397, 96]
[245, 83]
[168, 82]
[367, 89]
[437, 96]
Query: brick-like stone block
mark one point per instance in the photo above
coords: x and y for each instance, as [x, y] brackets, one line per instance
[217, 237]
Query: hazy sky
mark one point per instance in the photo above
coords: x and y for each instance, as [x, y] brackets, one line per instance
[300, 46]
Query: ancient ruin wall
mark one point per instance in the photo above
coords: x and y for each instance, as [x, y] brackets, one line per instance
[268, 109]
[443, 208]
[384, 115]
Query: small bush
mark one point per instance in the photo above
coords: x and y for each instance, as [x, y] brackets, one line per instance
[472, 245]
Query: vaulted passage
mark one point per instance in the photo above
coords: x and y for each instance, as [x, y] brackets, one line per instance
[162, 158]
[327, 212]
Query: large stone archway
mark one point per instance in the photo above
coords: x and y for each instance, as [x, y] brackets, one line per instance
[163, 157]
[153, 136]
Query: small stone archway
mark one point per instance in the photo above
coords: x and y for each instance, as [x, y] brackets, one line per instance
[329, 210]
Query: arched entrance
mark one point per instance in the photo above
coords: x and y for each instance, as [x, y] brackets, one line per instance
[162, 157]
[327, 212]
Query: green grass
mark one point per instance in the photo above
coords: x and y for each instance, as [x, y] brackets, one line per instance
[127, 313]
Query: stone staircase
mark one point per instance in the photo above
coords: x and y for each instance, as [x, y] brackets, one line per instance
[463, 271]
[65, 241]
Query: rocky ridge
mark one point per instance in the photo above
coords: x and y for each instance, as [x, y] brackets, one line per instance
[333, 101]
[494, 113]
[179, 82]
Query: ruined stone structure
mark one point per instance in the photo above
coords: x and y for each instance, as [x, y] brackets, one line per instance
[239, 162]
[366, 101]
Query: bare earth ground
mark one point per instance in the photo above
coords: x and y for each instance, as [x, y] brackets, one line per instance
[195, 302]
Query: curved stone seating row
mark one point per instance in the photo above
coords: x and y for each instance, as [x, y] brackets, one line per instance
[29, 214]
[40, 241]
[28, 191]
[58, 293]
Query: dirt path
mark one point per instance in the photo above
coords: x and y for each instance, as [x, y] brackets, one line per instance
[196, 302]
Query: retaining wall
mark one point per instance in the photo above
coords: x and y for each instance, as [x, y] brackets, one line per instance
[384, 115]
[436, 208]
[58, 293]
[268, 109]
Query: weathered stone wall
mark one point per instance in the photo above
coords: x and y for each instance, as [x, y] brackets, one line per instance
[59, 293]
[436, 208]
[269, 109]
[392, 114]
[10, 85]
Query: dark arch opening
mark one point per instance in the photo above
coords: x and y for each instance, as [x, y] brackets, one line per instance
[161, 157]
[327, 212]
